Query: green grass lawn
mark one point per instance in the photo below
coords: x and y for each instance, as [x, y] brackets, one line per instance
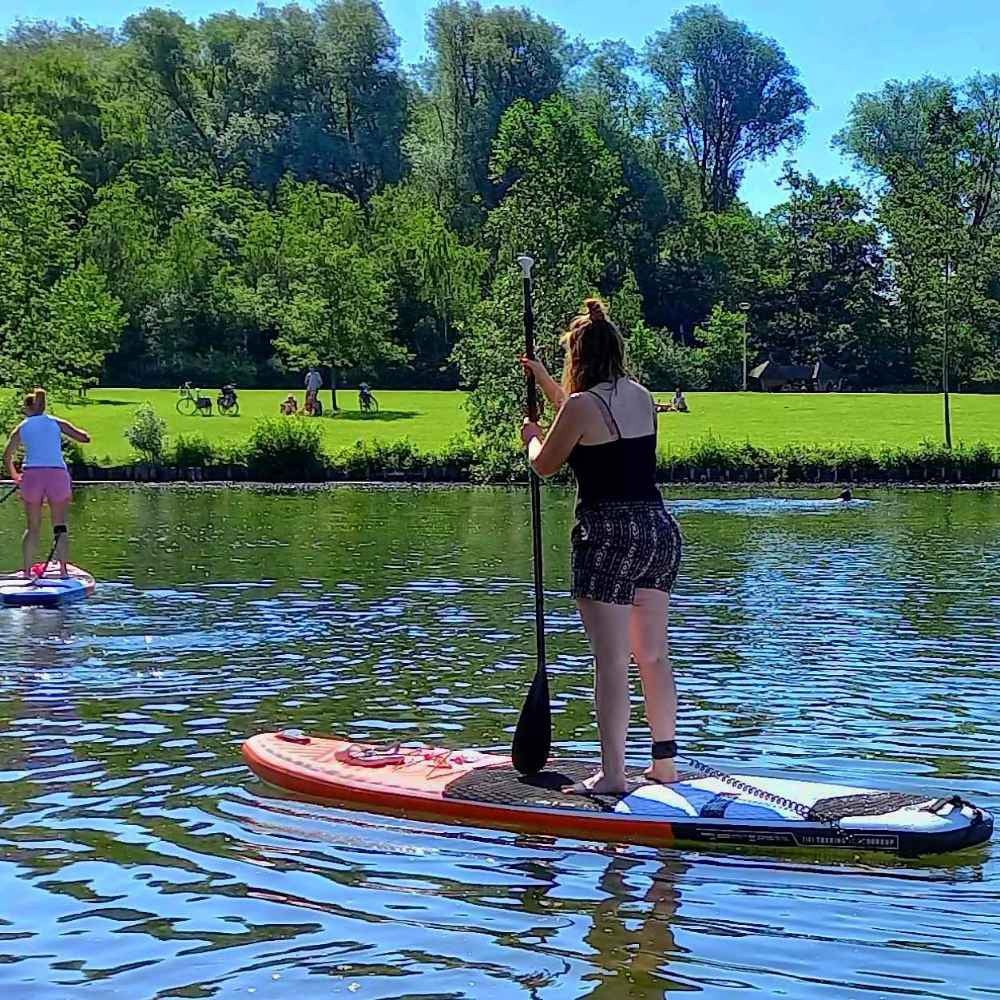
[868, 418]
[429, 419]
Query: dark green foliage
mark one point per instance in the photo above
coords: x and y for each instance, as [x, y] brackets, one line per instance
[285, 449]
[400, 460]
[192, 451]
[147, 433]
[712, 460]
[11, 413]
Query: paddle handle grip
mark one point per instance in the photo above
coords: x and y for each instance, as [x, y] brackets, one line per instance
[527, 263]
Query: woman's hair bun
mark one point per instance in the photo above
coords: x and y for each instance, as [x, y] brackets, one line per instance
[595, 310]
[35, 400]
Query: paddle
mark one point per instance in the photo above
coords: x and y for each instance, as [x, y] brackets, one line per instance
[533, 735]
[37, 577]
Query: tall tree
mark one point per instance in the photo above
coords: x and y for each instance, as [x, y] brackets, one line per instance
[946, 257]
[332, 302]
[57, 319]
[436, 279]
[360, 61]
[657, 178]
[481, 62]
[318, 95]
[66, 76]
[563, 206]
[729, 96]
[829, 287]
[892, 126]
[933, 151]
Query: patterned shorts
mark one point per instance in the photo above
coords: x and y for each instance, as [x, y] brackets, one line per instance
[618, 546]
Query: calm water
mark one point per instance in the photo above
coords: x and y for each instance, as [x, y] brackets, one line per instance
[139, 858]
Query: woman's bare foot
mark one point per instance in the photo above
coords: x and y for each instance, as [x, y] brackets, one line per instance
[663, 771]
[597, 784]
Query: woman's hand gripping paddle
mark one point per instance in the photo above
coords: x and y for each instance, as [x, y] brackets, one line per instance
[533, 735]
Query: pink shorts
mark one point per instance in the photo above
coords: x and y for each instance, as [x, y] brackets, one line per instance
[53, 485]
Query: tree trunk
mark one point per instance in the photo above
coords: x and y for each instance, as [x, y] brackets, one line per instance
[333, 389]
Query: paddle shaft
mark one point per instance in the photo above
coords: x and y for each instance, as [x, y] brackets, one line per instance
[9, 493]
[535, 487]
[533, 734]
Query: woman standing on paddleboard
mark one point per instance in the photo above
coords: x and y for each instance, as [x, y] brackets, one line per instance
[626, 547]
[44, 475]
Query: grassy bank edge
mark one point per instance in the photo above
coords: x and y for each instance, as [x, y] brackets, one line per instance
[708, 461]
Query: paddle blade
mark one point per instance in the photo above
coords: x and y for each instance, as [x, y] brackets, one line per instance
[533, 735]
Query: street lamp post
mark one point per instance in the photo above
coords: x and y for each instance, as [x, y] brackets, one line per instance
[944, 351]
[745, 309]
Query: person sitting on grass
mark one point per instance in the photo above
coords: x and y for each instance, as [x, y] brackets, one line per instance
[677, 405]
[289, 405]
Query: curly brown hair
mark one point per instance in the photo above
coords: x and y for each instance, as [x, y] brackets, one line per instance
[595, 349]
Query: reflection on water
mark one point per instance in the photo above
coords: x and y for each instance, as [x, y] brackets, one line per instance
[137, 855]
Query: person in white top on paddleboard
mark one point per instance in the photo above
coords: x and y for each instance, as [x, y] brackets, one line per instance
[44, 476]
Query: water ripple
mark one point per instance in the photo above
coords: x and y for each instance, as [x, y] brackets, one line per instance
[139, 856]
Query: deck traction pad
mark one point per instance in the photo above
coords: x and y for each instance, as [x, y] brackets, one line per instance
[503, 785]
[866, 804]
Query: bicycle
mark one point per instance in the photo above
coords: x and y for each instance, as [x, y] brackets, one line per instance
[191, 402]
[367, 402]
[227, 403]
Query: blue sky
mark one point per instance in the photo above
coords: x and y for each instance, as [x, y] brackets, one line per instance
[840, 49]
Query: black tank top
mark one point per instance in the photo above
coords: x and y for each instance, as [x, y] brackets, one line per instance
[622, 469]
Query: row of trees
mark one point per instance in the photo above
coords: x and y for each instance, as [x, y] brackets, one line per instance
[225, 199]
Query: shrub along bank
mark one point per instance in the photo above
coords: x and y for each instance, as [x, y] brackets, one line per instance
[293, 451]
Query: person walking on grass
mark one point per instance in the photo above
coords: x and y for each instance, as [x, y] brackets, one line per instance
[44, 477]
[625, 545]
[314, 382]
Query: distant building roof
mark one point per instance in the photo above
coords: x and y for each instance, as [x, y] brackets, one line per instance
[785, 373]
[777, 372]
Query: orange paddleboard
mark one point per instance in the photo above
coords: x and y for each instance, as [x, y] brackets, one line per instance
[483, 789]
